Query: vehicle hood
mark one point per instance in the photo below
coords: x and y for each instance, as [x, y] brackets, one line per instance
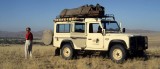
[123, 34]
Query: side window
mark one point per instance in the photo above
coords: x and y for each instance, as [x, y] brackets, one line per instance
[79, 27]
[63, 28]
[94, 28]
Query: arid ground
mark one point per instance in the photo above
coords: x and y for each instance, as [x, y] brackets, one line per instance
[12, 57]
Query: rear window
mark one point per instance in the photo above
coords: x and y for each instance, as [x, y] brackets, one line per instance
[79, 27]
[63, 28]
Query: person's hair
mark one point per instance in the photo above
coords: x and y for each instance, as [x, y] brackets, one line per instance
[28, 29]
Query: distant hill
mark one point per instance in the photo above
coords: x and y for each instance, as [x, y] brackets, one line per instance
[38, 34]
[20, 34]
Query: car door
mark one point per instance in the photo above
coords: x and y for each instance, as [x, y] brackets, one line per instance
[78, 35]
[95, 39]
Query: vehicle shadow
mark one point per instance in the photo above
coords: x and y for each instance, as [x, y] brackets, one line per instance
[153, 55]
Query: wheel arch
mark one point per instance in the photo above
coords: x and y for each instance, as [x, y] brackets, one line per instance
[66, 42]
[117, 41]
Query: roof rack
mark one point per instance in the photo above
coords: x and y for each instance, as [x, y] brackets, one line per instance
[58, 19]
[68, 19]
[109, 16]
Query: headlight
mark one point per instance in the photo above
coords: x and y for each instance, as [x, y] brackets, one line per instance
[146, 39]
[146, 42]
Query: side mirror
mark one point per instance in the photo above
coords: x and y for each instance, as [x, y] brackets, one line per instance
[124, 30]
[103, 32]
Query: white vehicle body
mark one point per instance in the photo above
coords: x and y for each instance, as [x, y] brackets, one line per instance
[90, 41]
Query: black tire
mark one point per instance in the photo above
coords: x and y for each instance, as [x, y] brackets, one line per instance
[118, 53]
[57, 52]
[67, 52]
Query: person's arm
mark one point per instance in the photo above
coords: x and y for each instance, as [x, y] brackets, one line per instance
[31, 36]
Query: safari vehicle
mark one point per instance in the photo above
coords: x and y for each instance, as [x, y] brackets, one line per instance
[96, 34]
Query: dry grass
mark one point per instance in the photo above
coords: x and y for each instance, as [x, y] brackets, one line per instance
[12, 57]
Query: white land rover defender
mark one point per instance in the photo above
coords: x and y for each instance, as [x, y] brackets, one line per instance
[96, 34]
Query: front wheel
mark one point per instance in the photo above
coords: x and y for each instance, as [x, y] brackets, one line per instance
[118, 53]
[67, 52]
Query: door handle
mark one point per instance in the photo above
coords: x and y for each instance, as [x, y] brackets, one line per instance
[89, 39]
[73, 37]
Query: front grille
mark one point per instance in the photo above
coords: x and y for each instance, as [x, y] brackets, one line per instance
[138, 43]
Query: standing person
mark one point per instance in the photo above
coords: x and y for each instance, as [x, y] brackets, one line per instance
[28, 43]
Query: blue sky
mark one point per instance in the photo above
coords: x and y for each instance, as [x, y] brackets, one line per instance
[16, 15]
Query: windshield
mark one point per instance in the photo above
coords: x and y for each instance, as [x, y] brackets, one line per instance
[111, 26]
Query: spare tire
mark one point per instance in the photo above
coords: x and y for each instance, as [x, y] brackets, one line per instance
[47, 37]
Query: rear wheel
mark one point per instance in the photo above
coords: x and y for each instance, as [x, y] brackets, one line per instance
[118, 53]
[57, 52]
[67, 52]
